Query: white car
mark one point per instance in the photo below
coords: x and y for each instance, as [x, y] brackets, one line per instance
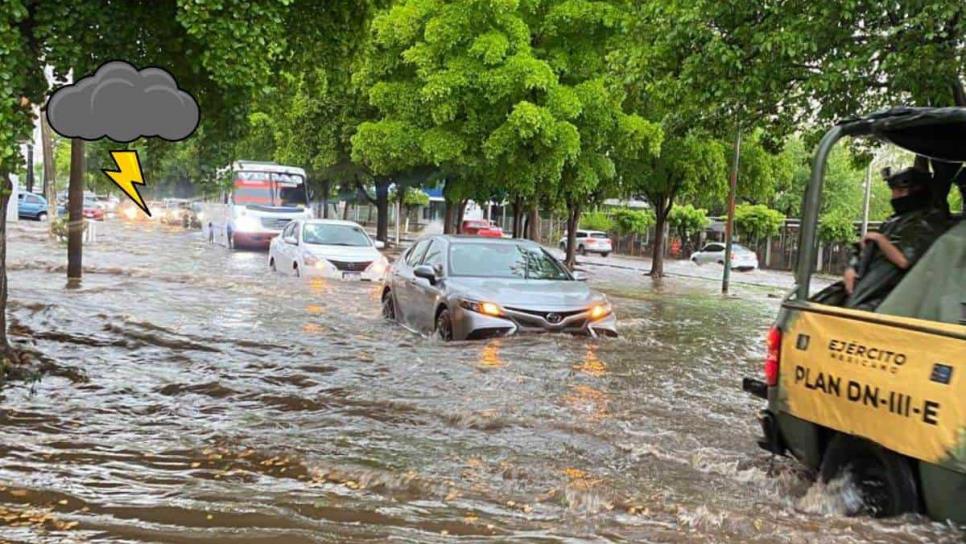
[742, 258]
[327, 248]
[590, 241]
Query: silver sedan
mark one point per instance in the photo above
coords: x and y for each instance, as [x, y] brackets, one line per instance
[465, 288]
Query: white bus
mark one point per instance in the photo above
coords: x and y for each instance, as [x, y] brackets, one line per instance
[263, 198]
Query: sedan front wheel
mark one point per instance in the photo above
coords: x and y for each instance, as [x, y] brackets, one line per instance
[444, 326]
[388, 306]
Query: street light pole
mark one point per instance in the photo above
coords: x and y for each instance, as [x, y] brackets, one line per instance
[729, 225]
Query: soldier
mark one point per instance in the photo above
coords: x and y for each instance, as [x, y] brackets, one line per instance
[886, 255]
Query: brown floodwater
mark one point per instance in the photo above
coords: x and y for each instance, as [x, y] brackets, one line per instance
[198, 398]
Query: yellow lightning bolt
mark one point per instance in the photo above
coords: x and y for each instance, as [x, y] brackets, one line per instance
[128, 175]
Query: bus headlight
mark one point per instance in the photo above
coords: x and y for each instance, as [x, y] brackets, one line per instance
[247, 223]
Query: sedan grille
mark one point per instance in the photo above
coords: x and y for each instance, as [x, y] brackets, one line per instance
[550, 317]
[345, 266]
[275, 223]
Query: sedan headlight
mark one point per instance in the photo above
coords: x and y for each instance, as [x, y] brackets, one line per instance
[378, 266]
[318, 262]
[485, 308]
[600, 310]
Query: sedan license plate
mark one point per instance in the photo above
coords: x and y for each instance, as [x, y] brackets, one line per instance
[352, 276]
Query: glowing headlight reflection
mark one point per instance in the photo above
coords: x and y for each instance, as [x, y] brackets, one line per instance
[600, 310]
[485, 308]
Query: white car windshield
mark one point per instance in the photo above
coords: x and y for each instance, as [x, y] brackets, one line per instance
[335, 235]
[504, 261]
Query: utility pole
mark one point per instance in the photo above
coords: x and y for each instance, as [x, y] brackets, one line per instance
[75, 210]
[730, 224]
[30, 167]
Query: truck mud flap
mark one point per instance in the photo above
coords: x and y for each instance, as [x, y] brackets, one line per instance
[757, 388]
[771, 440]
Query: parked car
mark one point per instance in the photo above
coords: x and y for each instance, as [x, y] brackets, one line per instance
[590, 241]
[327, 248]
[466, 288]
[742, 258]
[481, 227]
[31, 206]
[92, 209]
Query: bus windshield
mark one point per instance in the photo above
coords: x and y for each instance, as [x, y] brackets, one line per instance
[269, 189]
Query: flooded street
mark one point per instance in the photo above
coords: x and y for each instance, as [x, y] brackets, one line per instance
[200, 398]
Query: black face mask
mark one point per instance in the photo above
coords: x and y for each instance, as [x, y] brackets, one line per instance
[912, 202]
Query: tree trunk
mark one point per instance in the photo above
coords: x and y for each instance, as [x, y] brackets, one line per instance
[50, 174]
[75, 210]
[6, 189]
[460, 212]
[573, 219]
[382, 210]
[345, 211]
[325, 199]
[657, 255]
[448, 213]
[535, 224]
[515, 227]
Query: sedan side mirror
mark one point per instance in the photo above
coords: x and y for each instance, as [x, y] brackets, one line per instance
[380, 244]
[426, 272]
[290, 240]
[580, 276]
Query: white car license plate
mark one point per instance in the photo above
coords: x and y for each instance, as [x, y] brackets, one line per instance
[352, 276]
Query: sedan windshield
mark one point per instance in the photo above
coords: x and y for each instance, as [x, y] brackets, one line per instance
[335, 235]
[504, 261]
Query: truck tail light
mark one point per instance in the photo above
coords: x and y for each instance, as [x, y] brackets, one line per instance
[773, 359]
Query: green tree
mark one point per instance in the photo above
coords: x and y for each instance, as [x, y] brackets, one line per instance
[757, 221]
[836, 227]
[21, 86]
[690, 165]
[627, 221]
[597, 220]
[688, 222]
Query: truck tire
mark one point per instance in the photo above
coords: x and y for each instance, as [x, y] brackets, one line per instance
[885, 479]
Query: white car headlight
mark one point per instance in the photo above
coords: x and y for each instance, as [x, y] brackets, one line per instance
[379, 266]
[318, 262]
